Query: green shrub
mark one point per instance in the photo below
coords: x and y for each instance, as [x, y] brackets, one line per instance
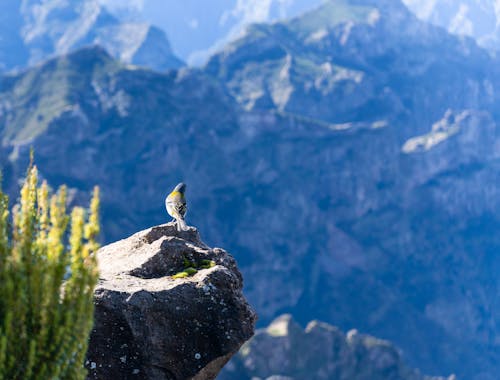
[47, 279]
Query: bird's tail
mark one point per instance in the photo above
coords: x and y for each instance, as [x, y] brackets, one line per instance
[181, 223]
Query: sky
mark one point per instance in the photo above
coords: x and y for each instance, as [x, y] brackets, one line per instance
[198, 28]
[197, 31]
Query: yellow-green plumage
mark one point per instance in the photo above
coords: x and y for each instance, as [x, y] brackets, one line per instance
[176, 206]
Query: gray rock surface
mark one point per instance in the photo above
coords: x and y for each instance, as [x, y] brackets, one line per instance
[150, 325]
[285, 351]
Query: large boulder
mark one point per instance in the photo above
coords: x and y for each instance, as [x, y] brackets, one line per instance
[166, 307]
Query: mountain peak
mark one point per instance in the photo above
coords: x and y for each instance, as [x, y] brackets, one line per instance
[283, 326]
[333, 13]
[328, 56]
[321, 352]
[57, 27]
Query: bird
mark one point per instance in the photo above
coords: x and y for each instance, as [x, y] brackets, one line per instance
[175, 203]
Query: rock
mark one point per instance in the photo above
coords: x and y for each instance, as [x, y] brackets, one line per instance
[284, 351]
[149, 325]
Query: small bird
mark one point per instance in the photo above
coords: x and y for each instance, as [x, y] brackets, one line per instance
[175, 202]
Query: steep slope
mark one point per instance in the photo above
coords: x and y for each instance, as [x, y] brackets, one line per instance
[283, 350]
[108, 121]
[43, 29]
[357, 60]
[379, 213]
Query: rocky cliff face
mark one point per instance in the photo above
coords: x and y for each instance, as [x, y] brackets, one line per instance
[285, 351]
[358, 60]
[167, 308]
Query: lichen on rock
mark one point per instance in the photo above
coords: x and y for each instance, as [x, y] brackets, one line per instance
[150, 324]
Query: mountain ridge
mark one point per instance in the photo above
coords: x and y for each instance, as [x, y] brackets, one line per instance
[296, 64]
[46, 29]
[285, 350]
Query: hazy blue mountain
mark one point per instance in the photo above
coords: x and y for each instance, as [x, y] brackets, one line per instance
[479, 19]
[198, 29]
[349, 158]
[350, 61]
[285, 351]
[35, 30]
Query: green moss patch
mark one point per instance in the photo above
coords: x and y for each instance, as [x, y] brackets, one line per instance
[191, 268]
[180, 275]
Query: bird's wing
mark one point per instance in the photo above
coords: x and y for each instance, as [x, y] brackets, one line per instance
[177, 202]
[181, 208]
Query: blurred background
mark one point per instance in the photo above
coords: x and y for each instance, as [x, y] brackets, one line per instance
[346, 152]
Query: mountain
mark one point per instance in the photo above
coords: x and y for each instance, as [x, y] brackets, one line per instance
[285, 351]
[479, 19]
[344, 62]
[197, 30]
[348, 158]
[42, 29]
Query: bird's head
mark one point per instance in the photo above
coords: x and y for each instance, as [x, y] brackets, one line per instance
[181, 188]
